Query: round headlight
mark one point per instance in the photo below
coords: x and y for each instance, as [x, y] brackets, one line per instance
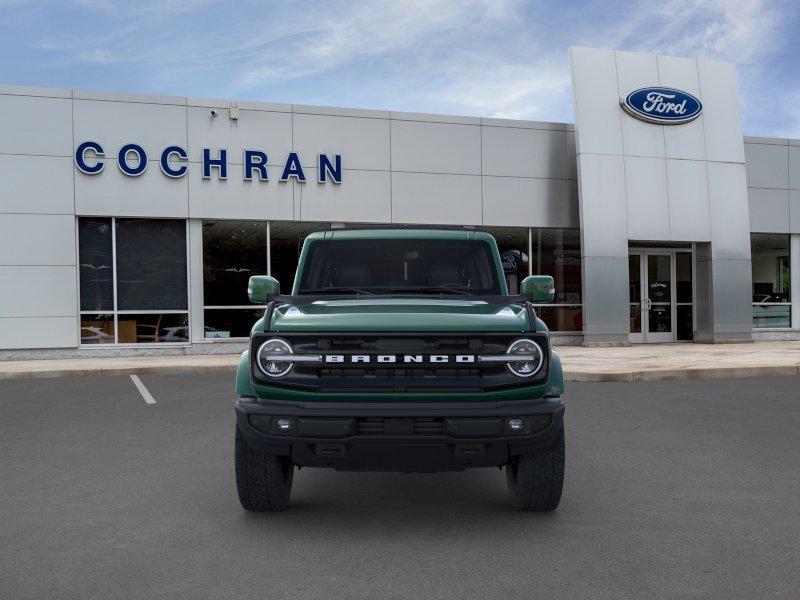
[274, 347]
[534, 358]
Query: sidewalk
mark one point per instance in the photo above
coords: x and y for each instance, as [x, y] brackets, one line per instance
[633, 363]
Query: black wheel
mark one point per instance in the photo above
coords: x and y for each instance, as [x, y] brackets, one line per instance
[535, 480]
[264, 481]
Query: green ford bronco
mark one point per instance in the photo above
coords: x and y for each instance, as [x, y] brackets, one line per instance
[400, 350]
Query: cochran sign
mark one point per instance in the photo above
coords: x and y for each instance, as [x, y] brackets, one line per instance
[662, 105]
[132, 160]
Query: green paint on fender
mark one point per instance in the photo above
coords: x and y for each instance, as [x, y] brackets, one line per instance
[555, 386]
[244, 386]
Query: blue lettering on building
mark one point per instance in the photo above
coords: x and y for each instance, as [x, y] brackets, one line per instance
[174, 162]
[293, 168]
[167, 168]
[123, 160]
[80, 158]
[255, 160]
[326, 168]
[220, 163]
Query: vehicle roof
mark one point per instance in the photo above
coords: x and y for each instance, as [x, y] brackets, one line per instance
[399, 234]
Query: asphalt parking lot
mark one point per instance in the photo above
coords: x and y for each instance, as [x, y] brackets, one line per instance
[673, 490]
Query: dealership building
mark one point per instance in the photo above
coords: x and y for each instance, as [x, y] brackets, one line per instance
[130, 224]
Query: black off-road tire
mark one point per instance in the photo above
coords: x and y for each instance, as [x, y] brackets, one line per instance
[264, 481]
[535, 480]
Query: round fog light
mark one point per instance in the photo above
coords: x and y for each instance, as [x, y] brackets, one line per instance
[516, 424]
[283, 424]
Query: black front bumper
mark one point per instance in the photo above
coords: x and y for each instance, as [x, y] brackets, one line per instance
[399, 437]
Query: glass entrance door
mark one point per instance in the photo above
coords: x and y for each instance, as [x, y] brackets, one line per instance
[660, 295]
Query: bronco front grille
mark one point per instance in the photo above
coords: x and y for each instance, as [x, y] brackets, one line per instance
[400, 374]
[413, 373]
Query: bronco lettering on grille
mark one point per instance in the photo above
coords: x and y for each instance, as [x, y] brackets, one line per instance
[399, 358]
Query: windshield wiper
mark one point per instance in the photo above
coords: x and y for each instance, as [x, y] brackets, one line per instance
[336, 290]
[433, 289]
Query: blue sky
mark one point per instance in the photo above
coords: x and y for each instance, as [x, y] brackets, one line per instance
[473, 57]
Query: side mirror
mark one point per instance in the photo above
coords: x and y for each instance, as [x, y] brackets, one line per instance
[262, 288]
[538, 288]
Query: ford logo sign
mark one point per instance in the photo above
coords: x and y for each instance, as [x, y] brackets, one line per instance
[662, 105]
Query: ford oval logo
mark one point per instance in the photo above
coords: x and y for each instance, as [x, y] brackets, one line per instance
[663, 105]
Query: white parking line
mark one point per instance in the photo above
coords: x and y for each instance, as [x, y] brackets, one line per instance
[148, 397]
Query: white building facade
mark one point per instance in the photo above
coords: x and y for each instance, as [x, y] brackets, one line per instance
[129, 223]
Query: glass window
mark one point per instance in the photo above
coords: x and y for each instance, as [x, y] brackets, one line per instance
[512, 242]
[97, 328]
[151, 264]
[557, 252]
[771, 280]
[233, 251]
[96, 264]
[133, 281]
[683, 294]
[400, 265]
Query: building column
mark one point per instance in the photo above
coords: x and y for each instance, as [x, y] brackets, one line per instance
[794, 265]
[196, 315]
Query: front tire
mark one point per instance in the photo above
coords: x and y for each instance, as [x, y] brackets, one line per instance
[535, 480]
[264, 481]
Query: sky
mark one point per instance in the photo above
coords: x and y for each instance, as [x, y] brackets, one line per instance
[488, 58]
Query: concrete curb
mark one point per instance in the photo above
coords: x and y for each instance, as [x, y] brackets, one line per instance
[622, 375]
[732, 372]
[117, 371]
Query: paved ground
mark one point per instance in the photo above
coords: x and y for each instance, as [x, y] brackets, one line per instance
[674, 490]
[644, 362]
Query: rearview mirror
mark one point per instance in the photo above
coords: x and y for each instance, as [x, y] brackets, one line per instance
[538, 288]
[262, 288]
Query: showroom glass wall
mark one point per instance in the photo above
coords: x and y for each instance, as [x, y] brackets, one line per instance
[770, 255]
[134, 286]
[133, 280]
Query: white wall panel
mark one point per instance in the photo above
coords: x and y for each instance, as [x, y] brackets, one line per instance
[114, 124]
[594, 82]
[436, 199]
[689, 217]
[366, 198]
[524, 152]
[38, 291]
[730, 212]
[528, 202]
[37, 239]
[767, 166]
[573, 204]
[239, 199]
[152, 194]
[270, 132]
[38, 332]
[569, 155]
[769, 210]
[794, 167]
[647, 203]
[635, 70]
[436, 147]
[794, 211]
[722, 121]
[35, 125]
[363, 143]
[602, 203]
[36, 184]
[686, 141]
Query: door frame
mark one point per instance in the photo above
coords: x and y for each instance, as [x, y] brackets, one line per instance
[644, 337]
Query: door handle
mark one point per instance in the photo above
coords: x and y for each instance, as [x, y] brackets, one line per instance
[647, 304]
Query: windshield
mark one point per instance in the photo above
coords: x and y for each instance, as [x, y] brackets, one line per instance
[398, 266]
